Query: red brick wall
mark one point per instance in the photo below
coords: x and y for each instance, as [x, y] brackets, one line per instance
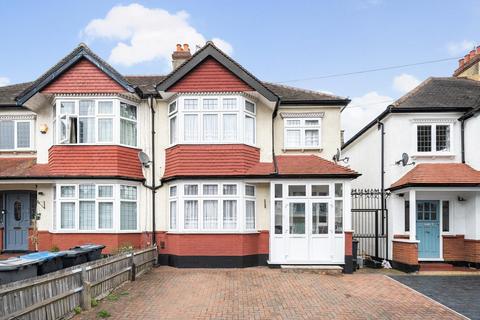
[348, 243]
[214, 244]
[453, 248]
[210, 76]
[472, 250]
[405, 252]
[84, 77]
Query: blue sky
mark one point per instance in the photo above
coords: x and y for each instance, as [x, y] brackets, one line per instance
[277, 41]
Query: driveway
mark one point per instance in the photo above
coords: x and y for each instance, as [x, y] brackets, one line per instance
[263, 293]
[461, 293]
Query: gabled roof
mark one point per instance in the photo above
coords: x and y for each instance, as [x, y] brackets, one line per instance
[80, 52]
[293, 95]
[210, 50]
[439, 175]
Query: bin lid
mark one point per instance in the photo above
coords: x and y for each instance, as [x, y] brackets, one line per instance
[90, 246]
[42, 255]
[73, 252]
[16, 263]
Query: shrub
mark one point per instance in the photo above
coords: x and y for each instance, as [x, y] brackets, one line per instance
[104, 314]
[77, 310]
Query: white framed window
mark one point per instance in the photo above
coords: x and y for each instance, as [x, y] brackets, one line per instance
[433, 137]
[128, 207]
[16, 134]
[212, 119]
[302, 133]
[95, 121]
[212, 206]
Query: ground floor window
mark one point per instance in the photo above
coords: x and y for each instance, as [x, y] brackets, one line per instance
[95, 207]
[212, 206]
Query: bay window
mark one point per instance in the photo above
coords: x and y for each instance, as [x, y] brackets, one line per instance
[91, 121]
[212, 119]
[91, 207]
[212, 206]
[302, 133]
[15, 134]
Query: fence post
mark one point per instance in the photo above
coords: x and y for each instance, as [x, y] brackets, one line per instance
[133, 270]
[86, 297]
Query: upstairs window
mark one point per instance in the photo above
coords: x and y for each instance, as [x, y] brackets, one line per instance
[15, 135]
[302, 133]
[434, 138]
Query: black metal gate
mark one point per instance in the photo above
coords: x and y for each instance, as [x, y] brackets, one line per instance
[370, 223]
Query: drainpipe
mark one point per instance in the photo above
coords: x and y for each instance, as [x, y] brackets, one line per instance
[462, 135]
[381, 127]
[274, 115]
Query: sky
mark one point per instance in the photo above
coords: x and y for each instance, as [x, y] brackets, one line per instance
[305, 44]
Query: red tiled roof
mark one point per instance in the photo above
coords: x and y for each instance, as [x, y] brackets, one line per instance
[242, 160]
[22, 167]
[439, 174]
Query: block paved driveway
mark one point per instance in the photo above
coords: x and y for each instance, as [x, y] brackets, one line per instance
[263, 293]
[461, 293]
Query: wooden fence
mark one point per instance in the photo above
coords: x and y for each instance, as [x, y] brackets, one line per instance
[57, 294]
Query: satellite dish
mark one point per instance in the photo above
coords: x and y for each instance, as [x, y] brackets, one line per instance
[404, 160]
[338, 155]
[144, 159]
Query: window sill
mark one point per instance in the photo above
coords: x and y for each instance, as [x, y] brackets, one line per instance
[319, 149]
[433, 155]
[213, 232]
[93, 231]
[29, 151]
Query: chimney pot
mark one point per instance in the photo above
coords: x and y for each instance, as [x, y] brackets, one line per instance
[461, 62]
[186, 47]
[472, 53]
[180, 55]
[466, 58]
[478, 50]
[179, 47]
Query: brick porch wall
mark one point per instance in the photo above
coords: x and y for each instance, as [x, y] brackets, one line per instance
[405, 252]
[454, 247]
[472, 251]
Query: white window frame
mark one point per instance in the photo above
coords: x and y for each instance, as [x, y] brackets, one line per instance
[302, 128]
[16, 120]
[433, 123]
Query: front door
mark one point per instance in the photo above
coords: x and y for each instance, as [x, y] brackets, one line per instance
[428, 229]
[17, 220]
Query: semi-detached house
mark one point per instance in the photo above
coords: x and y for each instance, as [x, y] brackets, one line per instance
[239, 171]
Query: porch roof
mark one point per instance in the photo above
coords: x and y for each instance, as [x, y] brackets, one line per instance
[439, 175]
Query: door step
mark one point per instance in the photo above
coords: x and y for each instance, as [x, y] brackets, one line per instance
[319, 269]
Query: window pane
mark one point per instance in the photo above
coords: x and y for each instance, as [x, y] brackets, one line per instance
[67, 191]
[278, 217]
[250, 190]
[293, 123]
[191, 189]
[128, 215]
[173, 130]
[210, 104]
[249, 106]
[7, 131]
[407, 215]
[67, 107]
[249, 130]
[229, 189]
[443, 138]
[105, 130]
[86, 108]
[173, 214]
[172, 107]
[229, 127]
[105, 191]
[293, 138]
[250, 214]
[229, 214]
[297, 191]
[105, 107]
[128, 111]
[173, 191]
[87, 130]
[445, 216]
[105, 215]
[338, 216]
[191, 214]
[278, 191]
[128, 132]
[23, 135]
[424, 139]
[312, 123]
[190, 104]
[210, 127]
[210, 189]
[128, 192]
[67, 215]
[210, 214]
[191, 127]
[312, 138]
[320, 190]
[338, 190]
[86, 191]
[319, 218]
[297, 218]
[87, 215]
[230, 104]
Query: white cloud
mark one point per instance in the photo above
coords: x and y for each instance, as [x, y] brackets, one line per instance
[4, 81]
[145, 34]
[460, 48]
[405, 82]
[362, 110]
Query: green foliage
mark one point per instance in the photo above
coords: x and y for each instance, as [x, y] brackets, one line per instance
[104, 314]
[77, 310]
[112, 297]
[125, 247]
[54, 248]
[94, 303]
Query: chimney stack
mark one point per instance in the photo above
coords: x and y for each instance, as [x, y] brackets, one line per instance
[180, 55]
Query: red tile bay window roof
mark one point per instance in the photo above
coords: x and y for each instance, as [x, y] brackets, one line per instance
[238, 160]
[113, 162]
[439, 174]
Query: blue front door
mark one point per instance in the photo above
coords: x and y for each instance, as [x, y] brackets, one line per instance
[428, 229]
[17, 220]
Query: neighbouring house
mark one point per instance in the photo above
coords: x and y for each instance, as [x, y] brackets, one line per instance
[433, 195]
[234, 171]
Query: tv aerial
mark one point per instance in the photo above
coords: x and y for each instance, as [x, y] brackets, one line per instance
[404, 160]
[144, 159]
[337, 157]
